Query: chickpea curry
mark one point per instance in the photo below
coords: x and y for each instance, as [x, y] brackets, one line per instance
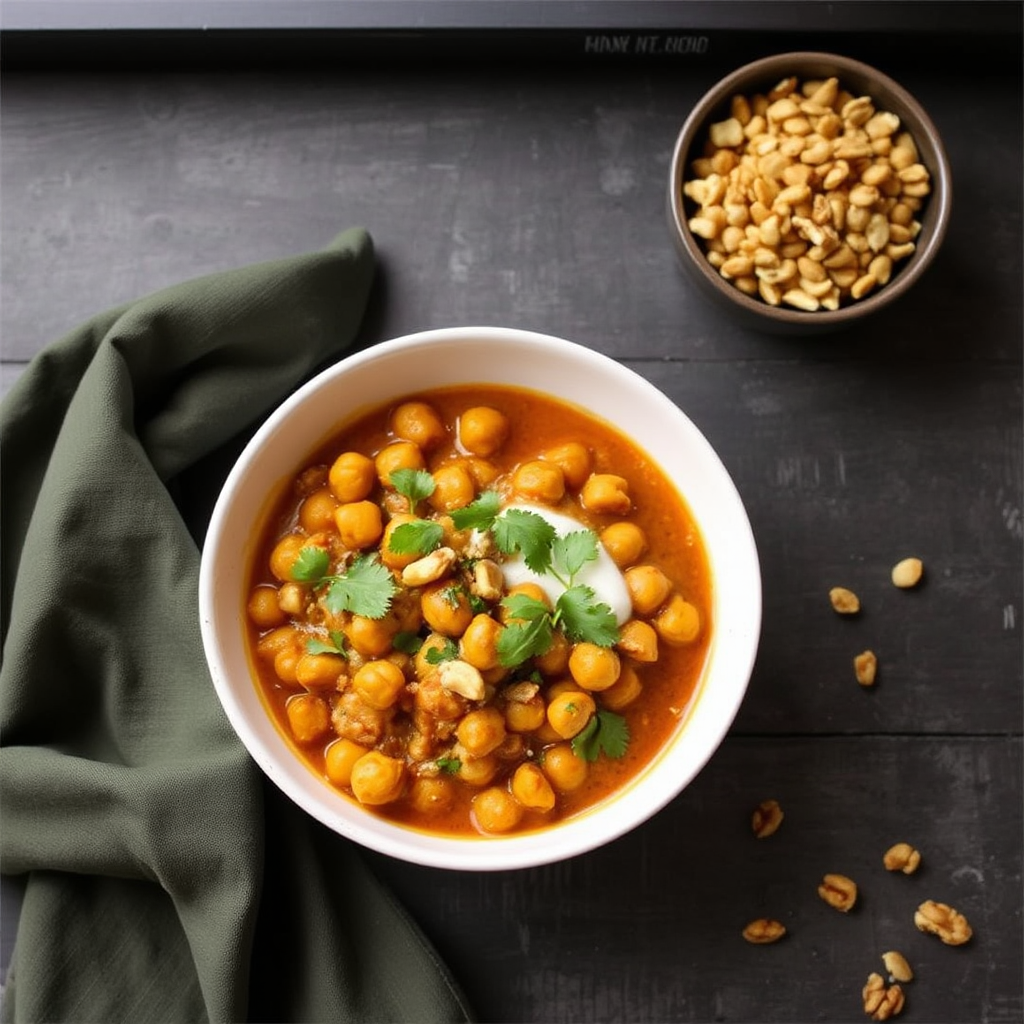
[479, 611]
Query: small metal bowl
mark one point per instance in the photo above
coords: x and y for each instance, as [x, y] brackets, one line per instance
[760, 77]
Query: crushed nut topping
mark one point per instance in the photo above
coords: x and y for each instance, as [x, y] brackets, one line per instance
[865, 666]
[881, 1003]
[766, 819]
[844, 601]
[901, 857]
[907, 573]
[764, 930]
[897, 966]
[838, 891]
[942, 920]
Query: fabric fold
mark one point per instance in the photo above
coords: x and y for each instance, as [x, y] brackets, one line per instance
[140, 823]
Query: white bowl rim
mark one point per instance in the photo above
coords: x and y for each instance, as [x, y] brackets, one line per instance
[735, 637]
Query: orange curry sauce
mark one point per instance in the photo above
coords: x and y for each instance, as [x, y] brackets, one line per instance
[536, 424]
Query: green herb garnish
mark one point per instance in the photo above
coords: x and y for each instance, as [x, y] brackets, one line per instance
[448, 764]
[414, 484]
[365, 588]
[406, 642]
[447, 651]
[336, 644]
[605, 733]
[420, 537]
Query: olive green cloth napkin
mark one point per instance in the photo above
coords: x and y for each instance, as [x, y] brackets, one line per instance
[165, 879]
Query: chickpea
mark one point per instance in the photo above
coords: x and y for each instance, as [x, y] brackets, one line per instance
[606, 492]
[555, 660]
[625, 542]
[420, 423]
[432, 794]
[648, 588]
[316, 512]
[291, 598]
[263, 610]
[678, 622]
[286, 664]
[569, 712]
[379, 683]
[377, 779]
[392, 559]
[625, 690]
[638, 640]
[594, 667]
[479, 643]
[537, 480]
[286, 550]
[482, 430]
[484, 473]
[277, 640]
[446, 608]
[531, 788]
[573, 458]
[360, 524]
[372, 638]
[339, 758]
[564, 770]
[319, 670]
[352, 476]
[454, 487]
[496, 810]
[481, 731]
[421, 664]
[309, 718]
[397, 455]
[525, 715]
[478, 771]
[434, 700]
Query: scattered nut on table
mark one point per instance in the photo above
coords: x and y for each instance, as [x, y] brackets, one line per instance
[838, 891]
[881, 1003]
[807, 196]
[766, 819]
[901, 857]
[897, 966]
[764, 930]
[865, 666]
[844, 601]
[907, 573]
[942, 920]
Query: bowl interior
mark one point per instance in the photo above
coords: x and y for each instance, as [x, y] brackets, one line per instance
[477, 355]
[758, 77]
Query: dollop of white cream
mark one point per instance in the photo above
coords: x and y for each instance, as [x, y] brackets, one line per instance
[602, 575]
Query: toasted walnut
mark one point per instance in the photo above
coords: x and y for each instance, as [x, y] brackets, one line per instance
[462, 678]
[838, 891]
[844, 601]
[942, 920]
[897, 966]
[907, 573]
[865, 666]
[881, 1003]
[901, 857]
[764, 930]
[487, 580]
[766, 819]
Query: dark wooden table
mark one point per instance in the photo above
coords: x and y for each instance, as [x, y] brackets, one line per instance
[533, 197]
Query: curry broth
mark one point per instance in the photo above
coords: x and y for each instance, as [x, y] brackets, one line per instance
[537, 422]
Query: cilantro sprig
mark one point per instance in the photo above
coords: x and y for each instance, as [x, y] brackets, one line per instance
[365, 588]
[606, 733]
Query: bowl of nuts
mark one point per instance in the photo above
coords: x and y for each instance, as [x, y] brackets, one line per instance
[807, 190]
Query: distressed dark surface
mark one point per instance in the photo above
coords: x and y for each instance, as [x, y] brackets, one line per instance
[535, 200]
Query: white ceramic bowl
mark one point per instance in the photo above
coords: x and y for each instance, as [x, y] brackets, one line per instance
[504, 356]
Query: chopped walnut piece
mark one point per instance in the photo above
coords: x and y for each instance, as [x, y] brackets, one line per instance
[942, 920]
[881, 1003]
[897, 966]
[844, 601]
[865, 665]
[901, 857]
[764, 930]
[838, 891]
[907, 573]
[766, 819]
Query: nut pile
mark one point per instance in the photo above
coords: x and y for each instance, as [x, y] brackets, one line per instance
[807, 196]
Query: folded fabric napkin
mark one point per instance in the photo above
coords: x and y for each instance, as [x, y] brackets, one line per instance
[165, 879]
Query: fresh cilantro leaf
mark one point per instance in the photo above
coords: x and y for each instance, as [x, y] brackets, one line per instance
[605, 733]
[311, 566]
[336, 644]
[421, 536]
[524, 531]
[453, 595]
[366, 589]
[448, 764]
[479, 514]
[582, 618]
[522, 606]
[406, 642]
[570, 553]
[448, 651]
[524, 639]
[415, 484]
